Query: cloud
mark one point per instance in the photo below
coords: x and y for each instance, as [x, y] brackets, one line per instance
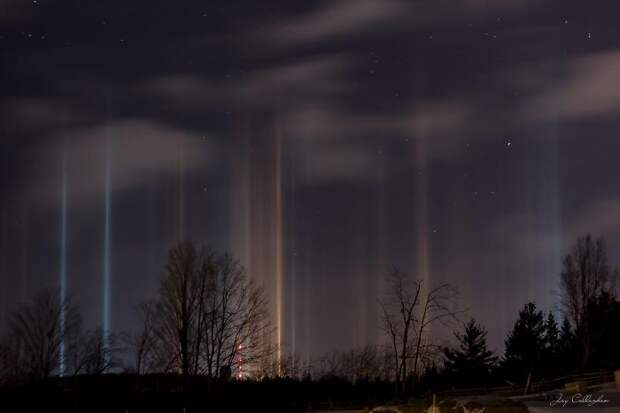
[335, 18]
[41, 114]
[302, 80]
[586, 92]
[140, 151]
[288, 83]
[338, 144]
[443, 126]
[600, 218]
[355, 17]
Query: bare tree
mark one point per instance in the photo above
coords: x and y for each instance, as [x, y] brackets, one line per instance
[289, 365]
[363, 363]
[212, 320]
[586, 274]
[94, 352]
[35, 335]
[182, 296]
[236, 320]
[407, 311]
[143, 344]
[9, 354]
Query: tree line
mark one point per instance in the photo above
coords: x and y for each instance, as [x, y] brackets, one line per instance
[209, 320]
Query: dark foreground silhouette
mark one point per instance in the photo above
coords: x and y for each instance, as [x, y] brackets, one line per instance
[163, 393]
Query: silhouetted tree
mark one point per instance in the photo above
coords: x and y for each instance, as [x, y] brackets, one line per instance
[182, 297]
[142, 344]
[586, 274]
[212, 319]
[35, 335]
[525, 346]
[551, 350]
[92, 352]
[567, 346]
[605, 330]
[237, 324]
[471, 362]
[407, 310]
[359, 364]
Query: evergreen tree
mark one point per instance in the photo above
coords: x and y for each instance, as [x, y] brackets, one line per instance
[551, 347]
[470, 364]
[586, 277]
[567, 357]
[525, 346]
[605, 332]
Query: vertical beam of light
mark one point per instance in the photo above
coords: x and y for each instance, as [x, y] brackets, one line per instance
[23, 249]
[380, 240]
[292, 275]
[181, 195]
[107, 239]
[421, 221]
[551, 216]
[4, 267]
[422, 217]
[63, 259]
[151, 238]
[556, 217]
[278, 264]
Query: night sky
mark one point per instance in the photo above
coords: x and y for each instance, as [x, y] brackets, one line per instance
[463, 141]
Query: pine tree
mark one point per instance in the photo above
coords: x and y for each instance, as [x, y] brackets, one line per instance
[551, 347]
[605, 331]
[525, 346]
[552, 333]
[471, 363]
[567, 357]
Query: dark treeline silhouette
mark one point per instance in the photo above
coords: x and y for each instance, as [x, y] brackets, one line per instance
[538, 347]
[206, 339]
